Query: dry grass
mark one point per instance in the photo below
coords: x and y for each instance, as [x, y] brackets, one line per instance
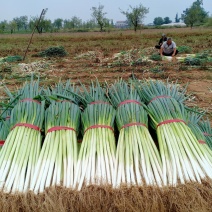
[189, 197]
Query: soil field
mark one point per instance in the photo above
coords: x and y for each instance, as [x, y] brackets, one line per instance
[93, 54]
[109, 56]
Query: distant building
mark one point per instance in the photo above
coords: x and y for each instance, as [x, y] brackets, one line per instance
[175, 24]
[121, 24]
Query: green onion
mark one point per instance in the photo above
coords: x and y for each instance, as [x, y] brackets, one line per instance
[4, 127]
[181, 154]
[57, 161]
[137, 157]
[192, 120]
[207, 131]
[21, 149]
[97, 153]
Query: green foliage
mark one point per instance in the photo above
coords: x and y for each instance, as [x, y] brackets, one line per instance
[203, 55]
[99, 15]
[75, 22]
[3, 25]
[177, 20]
[156, 70]
[209, 22]
[21, 22]
[155, 57]
[136, 15]
[166, 20]
[15, 58]
[200, 58]
[55, 51]
[158, 21]
[195, 14]
[136, 62]
[184, 49]
[58, 23]
[193, 61]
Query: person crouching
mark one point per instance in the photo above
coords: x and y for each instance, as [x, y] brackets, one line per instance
[162, 39]
[168, 48]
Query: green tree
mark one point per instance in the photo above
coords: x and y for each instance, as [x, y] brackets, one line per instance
[90, 24]
[158, 21]
[136, 15]
[67, 24]
[195, 14]
[209, 22]
[99, 15]
[167, 20]
[3, 26]
[75, 22]
[45, 25]
[21, 22]
[58, 23]
[111, 23]
[12, 26]
[177, 20]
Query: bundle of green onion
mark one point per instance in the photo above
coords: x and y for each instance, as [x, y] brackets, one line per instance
[6, 107]
[22, 146]
[164, 90]
[207, 131]
[192, 120]
[4, 127]
[97, 153]
[57, 161]
[137, 157]
[181, 153]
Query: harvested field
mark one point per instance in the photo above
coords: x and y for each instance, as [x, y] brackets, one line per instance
[94, 55]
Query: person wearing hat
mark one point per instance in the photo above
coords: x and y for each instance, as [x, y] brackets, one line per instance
[163, 39]
[168, 48]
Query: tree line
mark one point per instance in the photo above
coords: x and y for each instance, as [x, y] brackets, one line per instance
[194, 15]
[134, 16]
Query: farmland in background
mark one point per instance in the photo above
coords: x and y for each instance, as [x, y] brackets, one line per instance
[93, 54]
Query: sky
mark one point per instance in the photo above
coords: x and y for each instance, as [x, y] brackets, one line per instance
[66, 9]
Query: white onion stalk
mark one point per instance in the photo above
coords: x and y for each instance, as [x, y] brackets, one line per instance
[192, 120]
[22, 146]
[137, 158]
[97, 152]
[57, 161]
[182, 156]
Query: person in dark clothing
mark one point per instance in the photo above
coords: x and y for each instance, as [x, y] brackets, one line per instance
[163, 39]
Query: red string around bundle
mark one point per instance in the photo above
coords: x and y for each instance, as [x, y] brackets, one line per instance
[170, 121]
[27, 125]
[158, 97]
[8, 117]
[129, 101]
[56, 128]
[98, 126]
[133, 124]
[99, 102]
[2, 142]
[30, 100]
[201, 142]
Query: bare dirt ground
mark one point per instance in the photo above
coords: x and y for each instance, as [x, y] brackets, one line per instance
[91, 55]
